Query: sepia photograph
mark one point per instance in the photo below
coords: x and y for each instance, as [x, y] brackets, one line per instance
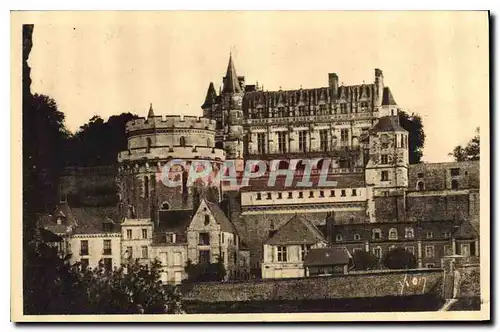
[250, 165]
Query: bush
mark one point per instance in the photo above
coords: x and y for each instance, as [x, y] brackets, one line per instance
[399, 258]
[364, 260]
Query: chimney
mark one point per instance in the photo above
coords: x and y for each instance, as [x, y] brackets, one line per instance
[333, 82]
[379, 86]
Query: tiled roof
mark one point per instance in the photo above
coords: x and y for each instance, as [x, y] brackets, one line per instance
[172, 221]
[220, 217]
[296, 230]
[327, 257]
[388, 123]
[465, 231]
[387, 98]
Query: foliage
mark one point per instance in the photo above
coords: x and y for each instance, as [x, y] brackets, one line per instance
[364, 260]
[205, 272]
[98, 142]
[468, 153]
[416, 136]
[55, 286]
[399, 258]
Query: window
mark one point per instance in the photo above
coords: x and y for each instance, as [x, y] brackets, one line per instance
[376, 234]
[311, 194]
[403, 141]
[301, 194]
[148, 145]
[302, 111]
[204, 239]
[281, 112]
[357, 237]
[282, 141]
[409, 233]
[290, 194]
[465, 249]
[429, 235]
[384, 176]
[323, 140]
[84, 247]
[84, 263]
[178, 258]
[420, 186]
[269, 195]
[204, 256]
[344, 136]
[321, 193]
[207, 220]
[130, 252]
[384, 159]
[377, 251]
[455, 171]
[182, 141]
[282, 254]
[303, 141]
[144, 251]
[322, 109]
[454, 185]
[170, 238]
[354, 193]
[343, 108]
[165, 206]
[448, 250]
[144, 232]
[261, 142]
[108, 264]
[410, 249]
[338, 237]
[280, 195]
[364, 106]
[332, 193]
[393, 234]
[259, 196]
[304, 249]
[446, 235]
[129, 234]
[342, 193]
[106, 247]
[429, 251]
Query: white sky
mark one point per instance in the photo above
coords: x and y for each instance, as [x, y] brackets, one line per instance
[436, 63]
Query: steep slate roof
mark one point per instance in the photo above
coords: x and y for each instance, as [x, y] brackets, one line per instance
[297, 230]
[465, 232]
[388, 123]
[172, 221]
[211, 96]
[151, 113]
[387, 98]
[327, 257]
[220, 217]
[231, 82]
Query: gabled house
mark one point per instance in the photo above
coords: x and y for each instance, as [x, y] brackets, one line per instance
[327, 261]
[286, 248]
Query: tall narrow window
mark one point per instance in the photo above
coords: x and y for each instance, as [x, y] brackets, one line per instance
[304, 249]
[84, 247]
[282, 254]
[302, 110]
[146, 187]
[454, 185]
[261, 142]
[343, 108]
[282, 141]
[106, 247]
[323, 140]
[281, 112]
[148, 145]
[384, 176]
[129, 234]
[384, 159]
[344, 136]
[144, 233]
[182, 141]
[303, 141]
[144, 251]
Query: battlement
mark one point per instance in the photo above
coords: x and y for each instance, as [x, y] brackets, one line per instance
[171, 121]
[176, 152]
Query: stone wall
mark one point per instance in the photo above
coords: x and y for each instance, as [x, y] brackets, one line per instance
[399, 283]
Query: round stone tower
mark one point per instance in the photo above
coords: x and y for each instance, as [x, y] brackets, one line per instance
[155, 142]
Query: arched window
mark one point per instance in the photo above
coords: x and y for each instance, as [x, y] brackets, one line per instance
[182, 141]
[146, 186]
[393, 234]
[357, 237]
[376, 234]
[420, 186]
[338, 237]
[165, 206]
[409, 234]
[454, 185]
[148, 144]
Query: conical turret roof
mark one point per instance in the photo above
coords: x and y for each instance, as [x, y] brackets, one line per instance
[211, 96]
[151, 113]
[231, 82]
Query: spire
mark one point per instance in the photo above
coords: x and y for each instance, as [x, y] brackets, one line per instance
[151, 113]
[231, 82]
[211, 95]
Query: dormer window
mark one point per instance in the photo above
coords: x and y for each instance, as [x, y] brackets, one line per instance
[376, 234]
[338, 237]
[107, 227]
[59, 220]
[170, 238]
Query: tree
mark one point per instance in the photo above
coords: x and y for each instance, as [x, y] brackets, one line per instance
[468, 153]
[364, 260]
[416, 136]
[205, 272]
[399, 258]
[55, 286]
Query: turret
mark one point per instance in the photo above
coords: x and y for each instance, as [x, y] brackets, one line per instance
[210, 101]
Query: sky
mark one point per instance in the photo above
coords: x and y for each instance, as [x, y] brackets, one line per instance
[106, 63]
